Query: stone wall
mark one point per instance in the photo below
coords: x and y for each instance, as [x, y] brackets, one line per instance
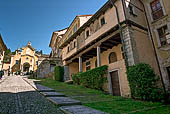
[46, 66]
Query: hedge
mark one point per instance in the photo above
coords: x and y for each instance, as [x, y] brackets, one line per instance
[59, 73]
[143, 83]
[94, 78]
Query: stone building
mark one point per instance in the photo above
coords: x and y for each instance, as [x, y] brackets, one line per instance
[3, 48]
[46, 66]
[158, 16]
[117, 35]
[55, 39]
[24, 60]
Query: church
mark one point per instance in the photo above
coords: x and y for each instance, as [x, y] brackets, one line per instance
[24, 60]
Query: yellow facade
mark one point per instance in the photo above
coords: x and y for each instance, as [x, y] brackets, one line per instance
[24, 60]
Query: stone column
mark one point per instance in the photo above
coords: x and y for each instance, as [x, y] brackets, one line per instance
[80, 64]
[98, 57]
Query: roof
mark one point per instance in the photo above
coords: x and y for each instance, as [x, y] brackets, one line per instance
[58, 32]
[3, 44]
[76, 18]
[92, 19]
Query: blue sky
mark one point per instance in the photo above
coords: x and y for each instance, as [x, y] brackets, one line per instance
[35, 20]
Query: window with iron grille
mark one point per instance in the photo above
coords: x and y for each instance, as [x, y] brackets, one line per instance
[162, 32]
[157, 10]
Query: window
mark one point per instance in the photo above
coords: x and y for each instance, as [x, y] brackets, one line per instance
[88, 65]
[162, 32]
[69, 35]
[112, 57]
[28, 51]
[37, 63]
[68, 49]
[75, 28]
[74, 44]
[156, 8]
[16, 62]
[131, 10]
[87, 33]
[102, 21]
[27, 58]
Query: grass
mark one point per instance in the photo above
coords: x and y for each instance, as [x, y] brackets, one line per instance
[107, 103]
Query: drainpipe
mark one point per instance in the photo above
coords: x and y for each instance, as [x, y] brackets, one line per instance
[121, 33]
[153, 44]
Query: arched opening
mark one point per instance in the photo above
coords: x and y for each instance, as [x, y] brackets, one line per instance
[112, 57]
[26, 67]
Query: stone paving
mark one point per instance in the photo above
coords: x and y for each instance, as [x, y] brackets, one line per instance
[64, 101]
[52, 94]
[3, 79]
[79, 109]
[67, 104]
[18, 97]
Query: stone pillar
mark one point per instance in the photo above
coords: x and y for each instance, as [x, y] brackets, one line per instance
[98, 57]
[80, 64]
[66, 73]
[130, 47]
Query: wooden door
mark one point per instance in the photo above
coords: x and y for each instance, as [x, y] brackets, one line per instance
[115, 83]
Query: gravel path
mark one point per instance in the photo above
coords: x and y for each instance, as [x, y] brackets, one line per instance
[18, 97]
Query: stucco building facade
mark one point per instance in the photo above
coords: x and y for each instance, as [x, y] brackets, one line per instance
[116, 35]
[158, 15]
[121, 33]
[3, 48]
[24, 60]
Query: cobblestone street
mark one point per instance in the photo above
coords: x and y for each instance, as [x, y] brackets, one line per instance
[18, 97]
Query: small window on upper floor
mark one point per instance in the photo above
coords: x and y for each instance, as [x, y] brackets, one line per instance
[69, 35]
[132, 10]
[163, 35]
[75, 28]
[16, 62]
[68, 49]
[102, 21]
[156, 8]
[27, 58]
[74, 44]
[37, 63]
[87, 33]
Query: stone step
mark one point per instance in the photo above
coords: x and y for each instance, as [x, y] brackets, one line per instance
[64, 101]
[79, 109]
[52, 94]
[42, 88]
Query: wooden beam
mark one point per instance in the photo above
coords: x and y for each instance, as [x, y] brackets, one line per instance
[114, 42]
[92, 47]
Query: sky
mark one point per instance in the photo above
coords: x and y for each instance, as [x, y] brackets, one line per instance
[35, 20]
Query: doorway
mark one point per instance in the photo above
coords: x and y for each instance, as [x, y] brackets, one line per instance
[115, 83]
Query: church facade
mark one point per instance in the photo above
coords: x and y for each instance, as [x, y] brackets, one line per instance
[24, 60]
